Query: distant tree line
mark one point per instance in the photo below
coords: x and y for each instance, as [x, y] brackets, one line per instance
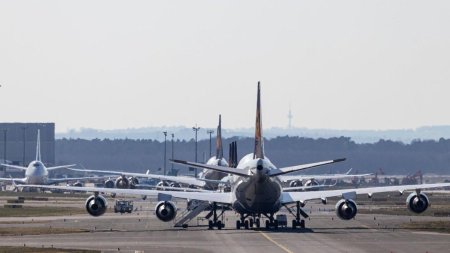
[140, 155]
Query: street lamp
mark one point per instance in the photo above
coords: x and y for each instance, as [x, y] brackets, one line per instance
[210, 132]
[165, 151]
[171, 168]
[195, 128]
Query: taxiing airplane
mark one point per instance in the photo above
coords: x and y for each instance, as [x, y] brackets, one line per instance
[37, 173]
[256, 191]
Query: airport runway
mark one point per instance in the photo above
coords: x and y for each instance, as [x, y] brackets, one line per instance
[141, 231]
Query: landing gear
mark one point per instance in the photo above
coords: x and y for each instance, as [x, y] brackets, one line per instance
[298, 222]
[216, 222]
[271, 222]
[258, 223]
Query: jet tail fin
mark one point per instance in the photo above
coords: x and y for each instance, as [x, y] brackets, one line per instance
[38, 146]
[219, 148]
[259, 141]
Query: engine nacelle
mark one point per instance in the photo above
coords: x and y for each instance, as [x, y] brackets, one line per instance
[96, 205]
[346, 209]
[417, 203]
[311, 182]
[122, 183]
[166, 211]
[162, 184]
[133, 182]
[109, 183]
[295, 183]
[175, 184]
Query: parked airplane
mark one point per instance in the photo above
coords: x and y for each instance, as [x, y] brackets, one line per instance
[37, 173]
[256, 191]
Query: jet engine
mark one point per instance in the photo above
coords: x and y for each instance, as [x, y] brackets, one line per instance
[122, 183]
[133, 182]
[166, 211]
[346, 209]
[96, 205]
[311, 182]
[109, 183]
[417, 203]
[295, 183]
[162, 184]
[175, 184]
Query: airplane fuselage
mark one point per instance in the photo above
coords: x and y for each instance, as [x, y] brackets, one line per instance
[36, 173]
[258, 193]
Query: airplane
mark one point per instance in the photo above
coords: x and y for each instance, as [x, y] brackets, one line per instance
[37, 173]
[256, 191]
[207, 179]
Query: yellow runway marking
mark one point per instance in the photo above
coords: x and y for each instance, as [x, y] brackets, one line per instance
[276, 243]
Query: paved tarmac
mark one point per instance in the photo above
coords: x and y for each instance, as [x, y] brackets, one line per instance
[141, 231]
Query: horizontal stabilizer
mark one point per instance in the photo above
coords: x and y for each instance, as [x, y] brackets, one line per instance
[291, 169]
[234, 171]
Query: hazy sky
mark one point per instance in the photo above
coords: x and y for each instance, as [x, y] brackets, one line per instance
[119, 64]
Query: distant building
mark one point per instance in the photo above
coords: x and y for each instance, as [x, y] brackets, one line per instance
[18, 134]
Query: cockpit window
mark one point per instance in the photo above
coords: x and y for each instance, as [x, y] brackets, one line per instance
[35, 164]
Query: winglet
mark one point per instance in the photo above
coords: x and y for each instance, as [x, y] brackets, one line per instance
[38, 146]
[259, 141]
[219, 148]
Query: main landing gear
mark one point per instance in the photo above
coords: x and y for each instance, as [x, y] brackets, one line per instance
[215, 222]
[298, 222]
[253, 221]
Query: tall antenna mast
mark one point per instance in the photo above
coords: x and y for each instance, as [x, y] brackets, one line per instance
[290, 116]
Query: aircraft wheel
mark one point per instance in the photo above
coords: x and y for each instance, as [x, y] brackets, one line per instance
[210, 224]
[267, 224]
[294, 224]
[251, 223]
[219, 225]
[258, 222]
[302, 223]
[246, 224]
[238, 224]
[275, 224]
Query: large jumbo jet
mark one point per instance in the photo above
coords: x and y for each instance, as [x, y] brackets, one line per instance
[36, 172]
[256, 191]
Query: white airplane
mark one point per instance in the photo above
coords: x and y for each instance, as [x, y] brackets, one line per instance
[256, 191]
[313, 180]
[36, 172]
[207, 179]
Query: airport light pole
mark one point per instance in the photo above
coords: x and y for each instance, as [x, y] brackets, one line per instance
[165, 151]
[24, 128]
[195, 128]
[171, 167]
[210, 132]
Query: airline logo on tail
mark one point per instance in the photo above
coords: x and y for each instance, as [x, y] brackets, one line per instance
[259, 141]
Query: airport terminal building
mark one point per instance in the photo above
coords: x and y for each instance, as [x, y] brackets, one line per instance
[18, 143]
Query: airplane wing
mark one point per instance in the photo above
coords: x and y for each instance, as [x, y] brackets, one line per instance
[16, 180]
[14, 166]
[290, 197]
[61, 167]
[307, 188]
[234, 171]
[320, 177]
[60, 180]
[219, 197]
[180, 179]
[285, 170]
